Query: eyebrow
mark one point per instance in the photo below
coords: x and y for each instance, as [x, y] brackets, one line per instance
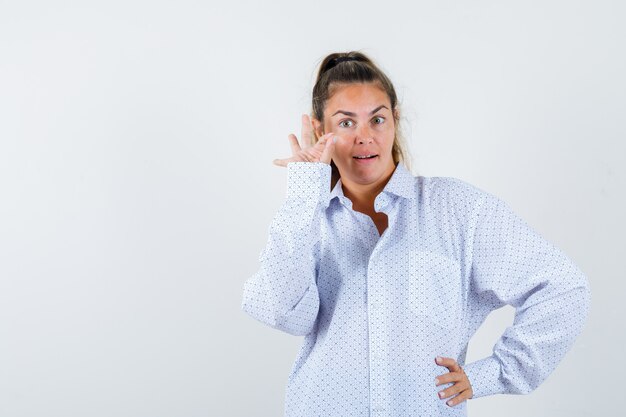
[348, 113]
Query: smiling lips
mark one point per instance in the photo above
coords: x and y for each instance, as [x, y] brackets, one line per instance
[365, 159]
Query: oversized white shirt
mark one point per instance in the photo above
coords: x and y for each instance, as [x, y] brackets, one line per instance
[376, 310]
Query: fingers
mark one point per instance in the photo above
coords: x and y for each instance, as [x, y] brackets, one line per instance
[459, 398]
[306, 134]
[307, 131]
[329, 147]
[280, 162]
[460, 387]
[293, 142]
[449, 377]
[321, 152]
[449, 363]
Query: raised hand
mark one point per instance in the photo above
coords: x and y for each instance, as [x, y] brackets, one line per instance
[461, 384]
[310, 152]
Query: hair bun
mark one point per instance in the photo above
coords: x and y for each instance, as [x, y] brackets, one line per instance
[341, 59]
[335, 59]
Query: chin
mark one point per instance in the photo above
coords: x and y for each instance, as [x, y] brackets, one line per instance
[365, 178]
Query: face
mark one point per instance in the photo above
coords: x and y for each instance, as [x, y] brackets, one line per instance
[362, 117]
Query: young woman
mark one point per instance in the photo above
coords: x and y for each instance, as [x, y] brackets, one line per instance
[388, 275]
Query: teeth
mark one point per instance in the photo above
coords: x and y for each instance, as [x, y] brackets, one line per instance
[364, 157]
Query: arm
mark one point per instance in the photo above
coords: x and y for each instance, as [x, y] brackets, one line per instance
[512, 264]
[283, 293]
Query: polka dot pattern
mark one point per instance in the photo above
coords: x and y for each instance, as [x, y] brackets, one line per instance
[375, 310]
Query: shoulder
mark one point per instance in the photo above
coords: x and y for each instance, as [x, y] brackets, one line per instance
[451, 191]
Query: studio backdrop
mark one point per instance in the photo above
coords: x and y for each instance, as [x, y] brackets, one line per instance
[137, 185]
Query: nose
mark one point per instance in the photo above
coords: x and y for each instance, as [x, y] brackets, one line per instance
[364, 135]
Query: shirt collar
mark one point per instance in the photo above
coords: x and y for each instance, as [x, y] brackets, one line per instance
[401, 183]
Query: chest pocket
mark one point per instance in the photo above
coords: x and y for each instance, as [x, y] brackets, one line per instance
[435, 287]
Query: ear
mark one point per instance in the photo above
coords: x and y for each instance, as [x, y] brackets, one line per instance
[318, 127]
[396, 114]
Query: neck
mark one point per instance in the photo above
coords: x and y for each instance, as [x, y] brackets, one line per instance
[363, 195]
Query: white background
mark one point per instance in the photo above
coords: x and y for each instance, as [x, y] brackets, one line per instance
[136, 183]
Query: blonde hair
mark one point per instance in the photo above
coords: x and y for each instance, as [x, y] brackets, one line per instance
[342, 68]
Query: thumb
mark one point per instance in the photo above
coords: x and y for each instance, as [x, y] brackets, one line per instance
[329, 147]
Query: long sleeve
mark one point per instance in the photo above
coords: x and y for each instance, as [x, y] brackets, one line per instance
[512, 264]
[283, 293]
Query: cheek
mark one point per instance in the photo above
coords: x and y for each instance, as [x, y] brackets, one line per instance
[389, 136]
[342, 150]
[327, 127]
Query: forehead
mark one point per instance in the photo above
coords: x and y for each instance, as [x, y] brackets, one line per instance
[356, 97]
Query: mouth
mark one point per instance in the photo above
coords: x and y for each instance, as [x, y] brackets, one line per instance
[361, 157]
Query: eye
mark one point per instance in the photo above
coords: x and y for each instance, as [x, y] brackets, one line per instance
[346, 123]
[378, 120]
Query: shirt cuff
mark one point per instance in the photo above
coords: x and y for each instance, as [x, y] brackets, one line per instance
[484, 377]
[308, 181]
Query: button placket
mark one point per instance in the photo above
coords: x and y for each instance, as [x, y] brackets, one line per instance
[378, 368]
